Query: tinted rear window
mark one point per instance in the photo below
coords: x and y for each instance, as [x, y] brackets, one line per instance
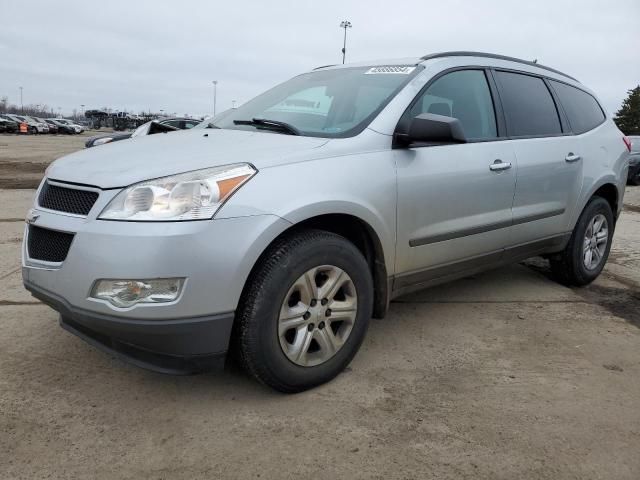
[582, 109]
[528, 105]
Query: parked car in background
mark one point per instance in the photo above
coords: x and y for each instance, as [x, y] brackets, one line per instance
[8, 126]
[53, 128]
[62, 127]
[634, 160]
[285, 226]
[33, 126]
[142, 130]
[43, 127]
[71, 123]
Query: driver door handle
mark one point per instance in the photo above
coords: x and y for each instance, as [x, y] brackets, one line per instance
[499, 165]
[570, 158]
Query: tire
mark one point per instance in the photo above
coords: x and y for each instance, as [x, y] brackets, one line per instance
[634, 179]
[569, 267]
[261, 342]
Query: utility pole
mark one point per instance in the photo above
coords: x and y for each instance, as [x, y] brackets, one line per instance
[82, 107]
[345, 24]
[215, 88]
[21, 104]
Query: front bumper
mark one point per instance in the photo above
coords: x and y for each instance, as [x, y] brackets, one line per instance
[215, 257]
[178, 347]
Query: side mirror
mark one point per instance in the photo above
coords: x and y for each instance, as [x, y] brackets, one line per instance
[432, 128]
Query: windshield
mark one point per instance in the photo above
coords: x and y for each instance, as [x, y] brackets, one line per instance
[324, 103]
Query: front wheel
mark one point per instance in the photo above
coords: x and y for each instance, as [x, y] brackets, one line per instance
[305, 311]
[588, 249]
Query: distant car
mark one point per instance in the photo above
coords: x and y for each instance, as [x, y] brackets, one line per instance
[43, 127]
[62, 127]
[8, 126]
[634, 161]
[71, 123]
[53, 128]
[144, 129]
[32, 125]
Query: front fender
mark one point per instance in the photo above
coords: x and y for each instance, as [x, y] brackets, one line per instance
[361, 185]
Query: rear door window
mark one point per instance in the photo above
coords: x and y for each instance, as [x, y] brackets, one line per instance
[528, 106]
[583, 111]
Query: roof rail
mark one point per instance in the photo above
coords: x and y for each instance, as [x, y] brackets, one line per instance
[325, 66]
[493, 55]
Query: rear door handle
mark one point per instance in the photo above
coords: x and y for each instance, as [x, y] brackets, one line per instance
[499, 165]
[570, 158]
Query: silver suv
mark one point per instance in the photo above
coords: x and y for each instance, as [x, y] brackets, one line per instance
[279, 230]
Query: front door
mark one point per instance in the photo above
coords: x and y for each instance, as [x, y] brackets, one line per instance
[454, 201]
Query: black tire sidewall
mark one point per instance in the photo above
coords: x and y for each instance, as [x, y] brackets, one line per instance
[597, 205]
[327, 250]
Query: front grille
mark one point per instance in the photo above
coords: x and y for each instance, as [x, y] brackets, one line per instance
[48, 245]
[69, 200]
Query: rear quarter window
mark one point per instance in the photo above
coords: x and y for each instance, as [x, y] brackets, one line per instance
[528, 105]
[583, 111]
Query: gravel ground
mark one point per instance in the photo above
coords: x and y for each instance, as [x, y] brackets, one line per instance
[499, 376]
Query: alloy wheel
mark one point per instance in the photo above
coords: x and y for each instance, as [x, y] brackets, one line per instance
[595, 242]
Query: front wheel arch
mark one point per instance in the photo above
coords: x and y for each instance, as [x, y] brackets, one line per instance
[359, 233]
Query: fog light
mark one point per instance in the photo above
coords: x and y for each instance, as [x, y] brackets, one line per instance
[125, 293]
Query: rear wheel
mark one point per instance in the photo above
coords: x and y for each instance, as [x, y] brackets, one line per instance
[588, 249]
[305, 311]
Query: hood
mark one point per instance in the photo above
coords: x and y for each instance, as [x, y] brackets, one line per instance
[121, 164]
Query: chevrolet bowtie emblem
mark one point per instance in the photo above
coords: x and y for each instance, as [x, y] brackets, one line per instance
[32, 217]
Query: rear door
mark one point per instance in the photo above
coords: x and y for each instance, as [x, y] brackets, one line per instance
[549, 173]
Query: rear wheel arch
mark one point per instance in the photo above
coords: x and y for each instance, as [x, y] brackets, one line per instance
[610, 193]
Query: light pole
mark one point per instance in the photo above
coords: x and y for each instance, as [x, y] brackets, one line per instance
[21, 105]
[82, 107]
[345, 24]
[215, 88]
[233, 104]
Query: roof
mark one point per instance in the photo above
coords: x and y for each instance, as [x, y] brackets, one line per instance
[462, 53]
[495, 56]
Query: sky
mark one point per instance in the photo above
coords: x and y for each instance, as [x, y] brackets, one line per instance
[153, 55]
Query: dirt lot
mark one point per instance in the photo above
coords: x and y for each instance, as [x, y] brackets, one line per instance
[502, 375]
[24, 158]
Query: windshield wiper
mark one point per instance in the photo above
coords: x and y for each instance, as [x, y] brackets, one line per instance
[269, 124]
[212, 125]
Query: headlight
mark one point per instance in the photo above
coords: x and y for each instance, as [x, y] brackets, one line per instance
[193, 195]
[102, 141]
